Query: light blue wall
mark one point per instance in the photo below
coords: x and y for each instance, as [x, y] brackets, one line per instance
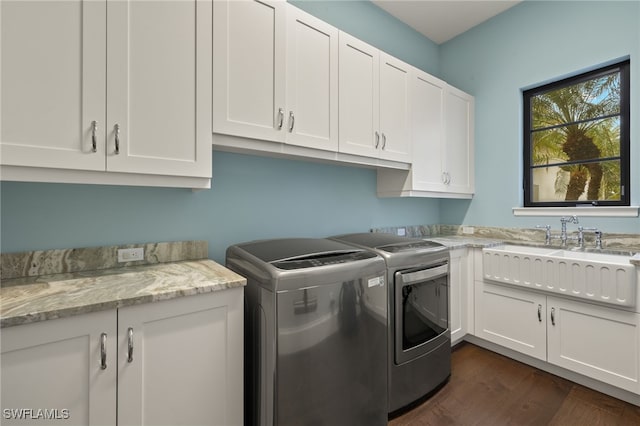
[534, 42]
[251, 198]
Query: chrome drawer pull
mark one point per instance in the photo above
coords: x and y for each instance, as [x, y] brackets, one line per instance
[130, 341]
[292, 121]
[117, 129]
[280, 118]
[539, 313]
[94, 138]
[103, 351]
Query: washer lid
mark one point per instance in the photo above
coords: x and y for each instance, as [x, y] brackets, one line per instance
[298, 253]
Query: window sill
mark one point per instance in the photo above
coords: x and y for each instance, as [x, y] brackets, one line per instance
[603, 211]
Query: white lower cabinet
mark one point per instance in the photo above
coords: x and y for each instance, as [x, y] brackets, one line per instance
[171, 362]
[56, 365]
[509, 317]
[459, 294]
[596, 341]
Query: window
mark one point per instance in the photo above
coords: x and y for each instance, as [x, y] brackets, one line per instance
[576, 140]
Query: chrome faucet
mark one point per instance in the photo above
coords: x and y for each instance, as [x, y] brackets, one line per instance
[598, 239]
[563, 230]
[547, 233]
[563, 237]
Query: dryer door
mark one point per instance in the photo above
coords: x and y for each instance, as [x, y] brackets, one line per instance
[421, 311]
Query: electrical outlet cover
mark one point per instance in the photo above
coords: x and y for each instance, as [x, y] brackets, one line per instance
[130, 255]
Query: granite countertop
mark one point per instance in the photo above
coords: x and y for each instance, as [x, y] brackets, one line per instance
[31, 299]
[456, 241]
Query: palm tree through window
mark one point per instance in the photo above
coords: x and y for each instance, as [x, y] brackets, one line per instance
[576, 140]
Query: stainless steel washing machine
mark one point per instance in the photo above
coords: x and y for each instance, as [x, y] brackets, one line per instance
[315, 332]
[419, 337]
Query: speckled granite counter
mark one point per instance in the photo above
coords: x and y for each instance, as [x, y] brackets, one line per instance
[43, 297]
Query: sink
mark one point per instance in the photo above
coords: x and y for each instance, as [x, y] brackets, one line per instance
[598, 277]
[516, 249]
[614, 259]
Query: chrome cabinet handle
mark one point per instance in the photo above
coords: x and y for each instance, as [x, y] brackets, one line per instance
[444, 178]
[553, 316]
[117, 130]
[384, 140]
[103, 351]
[292, 121]
[539, 313]
[130, 345]
[377, 139]
[280, 118]
[94, 138]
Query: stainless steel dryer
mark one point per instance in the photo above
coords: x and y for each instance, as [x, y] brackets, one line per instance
[315, 332]
[419, 337]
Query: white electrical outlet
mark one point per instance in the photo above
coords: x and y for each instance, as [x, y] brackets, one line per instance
[467, 229]
[130, 255]
[402, 232]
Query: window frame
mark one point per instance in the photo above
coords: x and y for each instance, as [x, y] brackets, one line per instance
[623, 68]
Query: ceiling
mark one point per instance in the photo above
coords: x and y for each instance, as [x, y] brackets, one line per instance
[442, 20]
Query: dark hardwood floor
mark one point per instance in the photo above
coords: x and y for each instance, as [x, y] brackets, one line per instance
[488, 389]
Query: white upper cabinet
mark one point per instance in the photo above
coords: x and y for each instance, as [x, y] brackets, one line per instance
[359, 97]
[53, 71]
[275, 74]
[107, 86]
[442, 120]
[159, 87]
[395, 112]
[459, 144]
[427, 131]
[249, 69]
[374, 102]
[312, 82]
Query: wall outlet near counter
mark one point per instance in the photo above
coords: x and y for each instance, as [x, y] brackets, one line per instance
[130, 255]
[401, 232]
[467, 229]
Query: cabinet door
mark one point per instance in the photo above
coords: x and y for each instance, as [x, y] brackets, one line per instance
[511, 318]
[458, 293]
[459, 154]
[249, 69]
[56, 365]
[52, 83]
[427, 136]
[186, 361]
[312, 81]
[359, 97]
[596, 341]
[395, 82]
[159, 87]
